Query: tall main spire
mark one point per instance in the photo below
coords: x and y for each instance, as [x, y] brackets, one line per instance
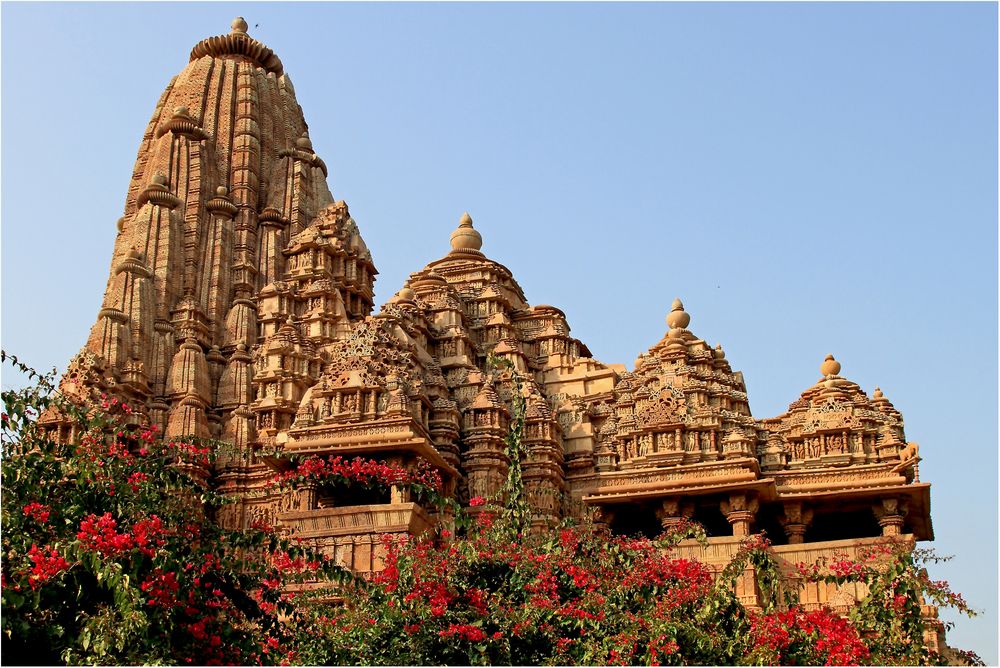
[225, 182]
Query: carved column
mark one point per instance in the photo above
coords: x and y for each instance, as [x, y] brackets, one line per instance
[603, 517]
[306, 497]
[796, 521]
[672, 512]
[740, 511]
[891, 513]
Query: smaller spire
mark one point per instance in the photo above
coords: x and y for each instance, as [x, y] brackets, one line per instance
[830, 366]
[465, 237]
[239, 24]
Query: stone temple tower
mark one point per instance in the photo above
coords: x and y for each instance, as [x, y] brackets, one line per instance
[225, 176]
[239, 307]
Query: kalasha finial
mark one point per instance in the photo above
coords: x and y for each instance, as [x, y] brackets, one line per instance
[678, 318]
[239, 25]
[830, 366]
[222, 191]
[878, 394]
[465, 237]
[304, 142]
[181, 111]
[159, 179]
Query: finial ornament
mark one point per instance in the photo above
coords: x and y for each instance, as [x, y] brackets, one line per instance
[222, 191]
[830, 366]
[678, 318]
[159, 179]
[238, 43]
[304, 142]
[878, 394]
[465, 237]
[406, 294]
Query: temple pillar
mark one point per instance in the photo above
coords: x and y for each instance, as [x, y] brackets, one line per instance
[796, 521]
[672, 513]
[891, 512]
[603, 517]
[306, 497]
[740, 510]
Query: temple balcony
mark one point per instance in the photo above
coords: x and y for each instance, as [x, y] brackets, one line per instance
[352, 535]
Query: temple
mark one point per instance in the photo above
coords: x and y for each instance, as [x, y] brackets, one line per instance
[239, 307]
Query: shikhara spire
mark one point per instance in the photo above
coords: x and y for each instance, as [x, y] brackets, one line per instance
[239, 307]
[225, 179]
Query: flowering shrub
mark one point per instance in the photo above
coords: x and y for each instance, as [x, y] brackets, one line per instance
[491, 592]
[110, 556]
[580, 596]
[330, 472]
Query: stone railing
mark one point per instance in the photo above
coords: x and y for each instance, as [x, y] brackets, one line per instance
[353, 535]
[720, 552]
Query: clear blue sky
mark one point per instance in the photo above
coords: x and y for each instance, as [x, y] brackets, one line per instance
[808, 178]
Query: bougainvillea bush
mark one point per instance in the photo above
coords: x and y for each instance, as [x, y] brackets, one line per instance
[110, 556]
[576, 596]
[490, 590]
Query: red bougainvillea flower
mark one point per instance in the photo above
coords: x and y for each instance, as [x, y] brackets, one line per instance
[38, 512]
[48, 563]
[99, 534]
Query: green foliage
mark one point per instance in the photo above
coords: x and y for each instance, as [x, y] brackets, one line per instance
[111, 556]
[110, 553]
